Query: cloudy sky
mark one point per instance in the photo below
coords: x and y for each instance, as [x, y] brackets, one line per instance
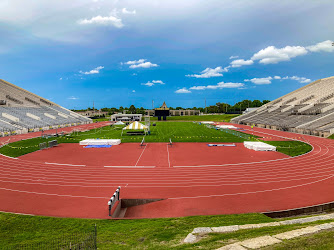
[122, 52]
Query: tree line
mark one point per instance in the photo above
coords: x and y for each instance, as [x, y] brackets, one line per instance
[219, 107]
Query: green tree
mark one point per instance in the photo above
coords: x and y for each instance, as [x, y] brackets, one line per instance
[256, 103]
[132, 109]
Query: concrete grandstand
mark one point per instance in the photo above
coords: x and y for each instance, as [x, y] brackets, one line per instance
[22, 111]
[308, 110]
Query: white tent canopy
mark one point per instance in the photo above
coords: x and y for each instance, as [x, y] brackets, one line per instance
[135, 126]
[100, 142]
[119, 123]
[226, 126]
[259, 146]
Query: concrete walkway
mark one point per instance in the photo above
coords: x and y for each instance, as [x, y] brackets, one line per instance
[268, 240]
[196, 234]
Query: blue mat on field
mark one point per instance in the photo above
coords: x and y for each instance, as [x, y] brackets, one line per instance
[221, 145]
[98, 146]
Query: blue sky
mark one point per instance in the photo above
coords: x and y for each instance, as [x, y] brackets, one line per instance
[123, 52]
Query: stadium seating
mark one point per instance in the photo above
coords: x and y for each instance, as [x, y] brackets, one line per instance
[22, 111]
[308, 110]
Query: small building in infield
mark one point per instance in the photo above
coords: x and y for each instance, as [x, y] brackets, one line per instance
[125, 117]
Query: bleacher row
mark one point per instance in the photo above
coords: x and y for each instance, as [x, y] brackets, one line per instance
[308, 110]
[22, 112]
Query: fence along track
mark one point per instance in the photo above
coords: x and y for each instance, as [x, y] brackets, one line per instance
[74, 241]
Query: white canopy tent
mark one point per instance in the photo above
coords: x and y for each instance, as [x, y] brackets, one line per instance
[207, 122]
[259, 146]
[100, 142]
[119, 123]
[136, 126]
[226, 126]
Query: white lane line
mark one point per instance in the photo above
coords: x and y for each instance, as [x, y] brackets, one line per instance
[168, 156]
[63, 164]
[9, 157]
[166, 185]
[60, 195]
[141, 155]
[129, 166]
[253, 192]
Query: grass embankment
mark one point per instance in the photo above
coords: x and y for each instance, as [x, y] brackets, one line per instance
[291, 148]
[165, 233]
[331, 136]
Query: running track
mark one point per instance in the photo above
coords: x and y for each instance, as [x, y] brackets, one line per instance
[76, 191]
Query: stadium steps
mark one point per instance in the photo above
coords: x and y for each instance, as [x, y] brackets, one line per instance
[304, 110]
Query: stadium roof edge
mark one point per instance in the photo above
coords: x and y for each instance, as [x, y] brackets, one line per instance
[306, 86]
[29, 92]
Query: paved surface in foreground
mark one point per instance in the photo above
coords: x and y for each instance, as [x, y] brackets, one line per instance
[211, 187]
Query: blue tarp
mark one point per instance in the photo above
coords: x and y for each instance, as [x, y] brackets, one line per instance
[98, 146]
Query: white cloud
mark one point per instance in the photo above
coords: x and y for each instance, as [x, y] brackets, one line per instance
[130, 12]
[268, 80]
[135, 61]
[73, 98]
[143, 65]
[272, 54]
[241, 62]
[219, 85]
[133, 91]
[60, 78]
[152, 83]
[260, 81]
[297, 78]
[103, 20]
[208, 72]
[325, 46]
[234, 57]
[149, 84]
[158, 81]
[93, 71]
[198, 88]
[182, 91]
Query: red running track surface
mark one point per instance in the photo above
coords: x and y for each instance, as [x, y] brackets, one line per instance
[153, 155]
[216, 185]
